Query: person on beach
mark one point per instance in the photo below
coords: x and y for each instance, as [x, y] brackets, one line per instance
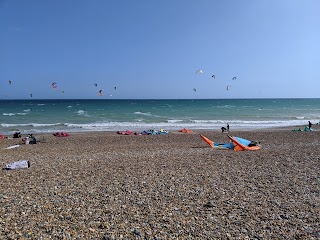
[310, 124]
[16, 135]
[223, 129]
[33, 139]
[228, 127]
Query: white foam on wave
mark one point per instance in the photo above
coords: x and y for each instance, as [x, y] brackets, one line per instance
[82, 113]
[143, 113]
[30, 124]
[174, 120]
[13, 114]
[141, 125]
[226, 106]
[201, 124]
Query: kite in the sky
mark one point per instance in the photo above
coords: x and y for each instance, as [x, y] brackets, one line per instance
[234, 78]
[213, 76]
[100, 92]
[194, 90]
[228, 87]
[54, 85]
[95, 85]
[10, 81]
[30, 94]
[115, 88]
[199, 71]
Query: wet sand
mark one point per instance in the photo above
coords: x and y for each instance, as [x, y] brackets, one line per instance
[108, 186]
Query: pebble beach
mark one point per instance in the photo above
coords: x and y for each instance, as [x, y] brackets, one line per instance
[102, 185]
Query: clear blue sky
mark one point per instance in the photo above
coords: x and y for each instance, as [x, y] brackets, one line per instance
[152, 48]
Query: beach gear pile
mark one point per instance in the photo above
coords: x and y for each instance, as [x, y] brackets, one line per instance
[154, 132]
[61, 134]
[29, 139]
[128, 132]
[146, 132]
[236, 144]
[306, 129]
[184, 130]
[17, 165]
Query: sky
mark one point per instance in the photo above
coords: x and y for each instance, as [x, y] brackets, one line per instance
[152, 49]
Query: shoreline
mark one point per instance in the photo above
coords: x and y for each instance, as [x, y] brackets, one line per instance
[315, 127]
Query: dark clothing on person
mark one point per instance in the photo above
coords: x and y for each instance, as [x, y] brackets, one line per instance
[223, 129]
[310, 124]
[33, 140]
[16, 135]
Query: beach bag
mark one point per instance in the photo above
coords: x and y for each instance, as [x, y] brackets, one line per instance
[18, 165]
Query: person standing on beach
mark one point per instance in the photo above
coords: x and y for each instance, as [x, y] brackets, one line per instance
[228, 127]
[310, 124]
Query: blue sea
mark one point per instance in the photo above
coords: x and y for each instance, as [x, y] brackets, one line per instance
[46, 116]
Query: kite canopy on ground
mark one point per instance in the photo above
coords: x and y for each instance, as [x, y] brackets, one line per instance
[236, 144]
[128, 132]
[61, 134]
[184, 130]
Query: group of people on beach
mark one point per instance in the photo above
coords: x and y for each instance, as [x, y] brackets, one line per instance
[29, 139]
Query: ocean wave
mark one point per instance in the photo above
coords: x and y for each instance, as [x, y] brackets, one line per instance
[148, 114]
[143, 113]
[226, 106]
[8, 125]
[140, 126]
[13, 114]
[173, 125]
[82, 113]
[174, 121]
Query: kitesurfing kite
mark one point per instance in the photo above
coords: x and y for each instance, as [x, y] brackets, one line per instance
[115, 88]
[95, 85]
[236, 144]
[30, 94]
[234, 78]
[100, 92]
[194, 90]
[54, 85]
[228, 87]
[199, 71]
[10, 81]
[213, 76]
